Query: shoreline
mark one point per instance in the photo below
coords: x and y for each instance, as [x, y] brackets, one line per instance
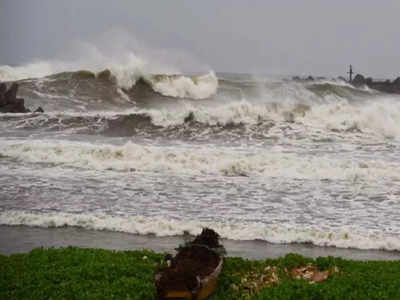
[22, 239]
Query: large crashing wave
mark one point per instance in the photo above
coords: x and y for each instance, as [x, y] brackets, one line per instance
[170, 85]
[378, 118]
[327, 105]
[374, 117]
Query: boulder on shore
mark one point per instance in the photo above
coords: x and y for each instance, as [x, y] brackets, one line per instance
[9, 103]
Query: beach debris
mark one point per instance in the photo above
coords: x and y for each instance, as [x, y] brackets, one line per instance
[255, 281]
[252, 281]
[312, 274]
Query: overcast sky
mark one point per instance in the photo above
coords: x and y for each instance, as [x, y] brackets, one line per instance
[278, 37]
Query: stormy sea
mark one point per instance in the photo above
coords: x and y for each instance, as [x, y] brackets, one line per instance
[257, 158]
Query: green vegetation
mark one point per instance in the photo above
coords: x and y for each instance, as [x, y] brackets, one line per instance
[74, 273]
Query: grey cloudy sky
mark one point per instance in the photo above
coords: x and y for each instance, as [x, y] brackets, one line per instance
[272, 37]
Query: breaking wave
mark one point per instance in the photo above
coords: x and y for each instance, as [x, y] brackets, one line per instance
[160, 226]
[135, 82]
[123, 101]
[198, 161]
[378, 117]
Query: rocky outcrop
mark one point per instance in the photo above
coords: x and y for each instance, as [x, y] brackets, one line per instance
[386, 86]
[3, 90]
[9, 103]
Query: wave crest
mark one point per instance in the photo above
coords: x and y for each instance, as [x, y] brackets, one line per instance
[170, 85]
[160, 226]
[197, 161]
[179, 86]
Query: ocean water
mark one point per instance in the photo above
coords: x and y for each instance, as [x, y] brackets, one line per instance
[255, 158]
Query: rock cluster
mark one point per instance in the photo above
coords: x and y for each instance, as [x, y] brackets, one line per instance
[386, 86]
[9, 103]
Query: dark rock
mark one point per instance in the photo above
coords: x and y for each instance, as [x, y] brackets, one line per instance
[396, 82]
[310, 78]
[19, 105]
[39, 110]
[359, 80]
[11, 95]
[342, 78]
[9, 103]
[15, 107]
[3, 90]
[189, 118]
[368, 81]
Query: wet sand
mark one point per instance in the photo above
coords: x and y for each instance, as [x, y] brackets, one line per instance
[20, 239]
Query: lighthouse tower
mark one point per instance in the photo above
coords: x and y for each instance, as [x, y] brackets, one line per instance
[350, 73]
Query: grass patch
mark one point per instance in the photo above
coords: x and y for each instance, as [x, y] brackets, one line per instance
[74, 273]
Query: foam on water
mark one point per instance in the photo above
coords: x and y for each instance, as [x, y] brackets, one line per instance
[160, 226]
[199, 87]
[203, 160]
[380, 116]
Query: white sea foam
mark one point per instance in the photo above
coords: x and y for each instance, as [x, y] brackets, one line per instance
[199, 87]
[236, 112]
[199, 161]
[345, 237]
[380, 116]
